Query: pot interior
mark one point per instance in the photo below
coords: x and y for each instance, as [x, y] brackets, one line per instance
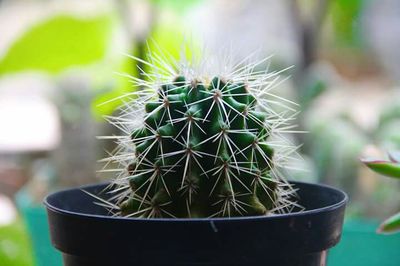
[312, 197]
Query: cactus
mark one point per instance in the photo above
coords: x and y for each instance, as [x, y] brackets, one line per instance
[199, 147]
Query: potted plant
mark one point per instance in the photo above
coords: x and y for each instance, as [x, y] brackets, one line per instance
[198, 180]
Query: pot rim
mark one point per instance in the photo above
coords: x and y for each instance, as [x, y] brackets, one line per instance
[339, 204]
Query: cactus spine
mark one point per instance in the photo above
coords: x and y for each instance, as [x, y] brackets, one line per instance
[201, 147]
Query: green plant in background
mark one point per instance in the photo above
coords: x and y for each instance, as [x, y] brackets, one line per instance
[337, 138]
[77, 48]
[200, 144]
[346, 20]
[389, 123]
[389, 168]
[59, 42]
[63, 42]
[15, 248]
[176, 4]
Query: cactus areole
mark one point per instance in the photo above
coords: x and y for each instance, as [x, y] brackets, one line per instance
[199, 179]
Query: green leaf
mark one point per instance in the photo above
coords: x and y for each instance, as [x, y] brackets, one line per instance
[57, 43]
[386, 168]
[391, 225]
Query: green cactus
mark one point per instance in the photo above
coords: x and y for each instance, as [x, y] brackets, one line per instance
[200, 150]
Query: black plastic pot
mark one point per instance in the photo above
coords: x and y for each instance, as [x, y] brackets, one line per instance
[87, 236]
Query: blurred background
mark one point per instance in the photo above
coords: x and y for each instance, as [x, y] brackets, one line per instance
[59, 59]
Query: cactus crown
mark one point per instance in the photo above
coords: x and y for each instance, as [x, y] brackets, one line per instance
[199, 147]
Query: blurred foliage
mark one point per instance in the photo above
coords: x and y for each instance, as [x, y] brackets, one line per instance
[389, 168]
[167, 43]
[15, 248]
[311, 91]
[64, 42]
[337, 140]
[346, 21]
[336, 145]
[176, 4]
[390, 113]
[58, 43]
[389, 124]
[112, 83]
[387, 133]
[390, 225]
[388, 136]
[313, 85]
[164, 38]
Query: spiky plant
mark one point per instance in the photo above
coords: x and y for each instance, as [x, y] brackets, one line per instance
[201, 145]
